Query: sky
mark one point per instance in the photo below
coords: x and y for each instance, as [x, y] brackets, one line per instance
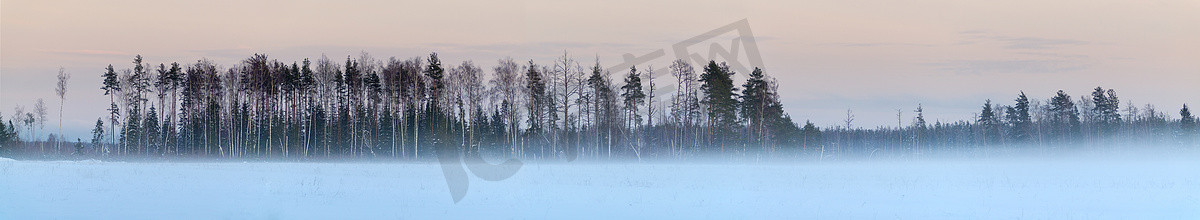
[829, 56]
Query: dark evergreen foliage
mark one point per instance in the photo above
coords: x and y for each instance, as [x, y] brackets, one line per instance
[720, 97]
[416, 108]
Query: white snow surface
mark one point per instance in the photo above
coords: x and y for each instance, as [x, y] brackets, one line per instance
[929, 189]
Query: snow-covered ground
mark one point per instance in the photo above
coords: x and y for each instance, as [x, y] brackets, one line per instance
[1071, 188]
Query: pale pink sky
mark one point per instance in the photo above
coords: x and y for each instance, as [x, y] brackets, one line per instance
[871, 56]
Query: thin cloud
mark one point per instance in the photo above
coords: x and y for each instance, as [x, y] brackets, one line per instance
[1011, 66]
[1035, 43]
[878, 44]
[88, 52]
[1056, 55]
[530, 46]
[233, 53]
[1023, 43]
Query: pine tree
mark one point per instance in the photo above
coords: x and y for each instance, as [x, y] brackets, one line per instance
[152, 132]
[340, 116]
[1064, 117]
[782, 131]
[434, 109]
[633, 98]
[719, 97]
[919, 128]
[919, 121]
[989, 122]
[762, 111]
[1019, 119]
[171, 81]
[98, 133]
[605, 108]
[1105, 108]
[78, 146]
[131, 134]
[317, 130]
[374, 90]
[812, 134]
[387, 128]
[536, 89]
[8, 135]
[754, 105]
[112, 86]
[1187, 122]
[140, 81]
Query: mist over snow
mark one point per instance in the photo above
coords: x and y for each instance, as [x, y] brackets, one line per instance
[1123, 183]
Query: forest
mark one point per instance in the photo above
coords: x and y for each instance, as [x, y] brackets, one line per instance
[368, 108]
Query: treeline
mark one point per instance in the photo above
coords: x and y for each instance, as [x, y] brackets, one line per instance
[1095, 120]
[409, 108]
[415, 108]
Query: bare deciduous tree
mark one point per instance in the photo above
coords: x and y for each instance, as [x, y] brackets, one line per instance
[60, 89]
